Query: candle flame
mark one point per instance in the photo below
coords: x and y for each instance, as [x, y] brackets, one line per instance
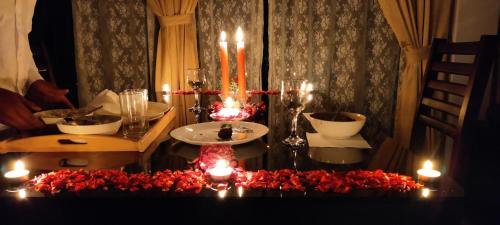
[229, 103]
[221, 163]
[239, 34]
[223, 36]
[309, 87]
[428, 165]
[19, 165]
[426, 192]
[303, 86]
[166, 88]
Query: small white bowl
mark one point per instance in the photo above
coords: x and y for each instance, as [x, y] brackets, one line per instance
[338, 129]
[105, 128]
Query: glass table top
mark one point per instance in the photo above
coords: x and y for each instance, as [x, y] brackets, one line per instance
[265, 154]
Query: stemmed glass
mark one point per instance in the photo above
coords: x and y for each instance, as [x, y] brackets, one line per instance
[295, 94]
[195, 78]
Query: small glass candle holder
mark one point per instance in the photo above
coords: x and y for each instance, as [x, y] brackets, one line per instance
[18, 175]
[221, 172]
[231, 111]
[427, 176]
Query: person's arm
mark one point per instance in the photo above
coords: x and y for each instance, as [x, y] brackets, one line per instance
[42, 92]
[16, 111]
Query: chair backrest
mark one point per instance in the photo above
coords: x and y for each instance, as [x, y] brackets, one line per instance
[451, 107]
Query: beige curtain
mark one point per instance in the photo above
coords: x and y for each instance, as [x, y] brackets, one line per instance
[415, 23]
[176, 50]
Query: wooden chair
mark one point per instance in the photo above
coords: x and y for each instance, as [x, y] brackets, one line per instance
[435, 106]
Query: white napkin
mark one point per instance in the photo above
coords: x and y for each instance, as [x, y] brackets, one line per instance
[356, 141]
[110, 102]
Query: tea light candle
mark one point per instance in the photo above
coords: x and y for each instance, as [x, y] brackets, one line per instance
[231, 108]
[221, 172]
[427, 173]
[19, 174]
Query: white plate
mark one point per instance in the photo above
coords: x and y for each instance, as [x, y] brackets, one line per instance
[51, 116]
[206, 133]
[156, 110]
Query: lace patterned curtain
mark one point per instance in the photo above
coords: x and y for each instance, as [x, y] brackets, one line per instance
[110, 45]
[348, 51]
[215, 16]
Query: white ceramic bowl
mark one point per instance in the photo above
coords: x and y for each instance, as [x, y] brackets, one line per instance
[338, 129]
[110, 127]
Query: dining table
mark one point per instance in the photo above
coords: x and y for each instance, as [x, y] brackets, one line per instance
[443, 203]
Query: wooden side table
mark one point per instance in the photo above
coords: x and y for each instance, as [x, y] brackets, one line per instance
[45, 152]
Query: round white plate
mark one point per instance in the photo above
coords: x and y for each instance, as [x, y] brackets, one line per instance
[156, 110]
[206, 133]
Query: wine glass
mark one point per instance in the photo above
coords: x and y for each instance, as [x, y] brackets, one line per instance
[295, 94]
[195, 78]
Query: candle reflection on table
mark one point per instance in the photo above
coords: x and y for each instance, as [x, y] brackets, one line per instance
[166, 93]
[222, 193]
[21, 194]
[426, 192]
[240, 191]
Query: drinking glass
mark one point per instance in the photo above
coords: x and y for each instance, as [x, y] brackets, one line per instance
[195, 78]
[146, 99]
[295, 94]
[133, 107]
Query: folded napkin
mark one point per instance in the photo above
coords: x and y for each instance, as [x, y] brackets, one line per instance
[110, 102]
[356, 141]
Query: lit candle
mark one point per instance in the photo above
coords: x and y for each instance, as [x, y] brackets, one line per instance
[221, 172]
[224, 64]
[166, 93]
[230, 108]
[427, 175]
[242, 86]
[19, 174]
[229, 103]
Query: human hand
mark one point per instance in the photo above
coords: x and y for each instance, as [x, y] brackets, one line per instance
[44, 93]
[16, 111]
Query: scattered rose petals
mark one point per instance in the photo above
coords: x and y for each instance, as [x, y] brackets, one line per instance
[195, 180]
[210, 154]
